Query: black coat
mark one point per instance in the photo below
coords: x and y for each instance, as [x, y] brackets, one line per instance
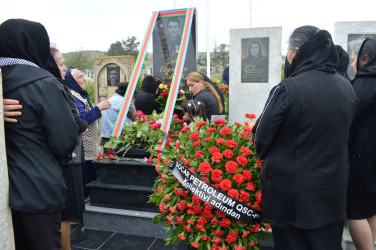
[302, 136]
[44, 134]
[211, 105]
[145, 98]
[362, 178]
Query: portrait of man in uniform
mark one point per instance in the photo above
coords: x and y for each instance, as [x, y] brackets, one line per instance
[113, 76]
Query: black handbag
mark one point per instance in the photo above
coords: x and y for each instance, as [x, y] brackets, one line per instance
[77, 156]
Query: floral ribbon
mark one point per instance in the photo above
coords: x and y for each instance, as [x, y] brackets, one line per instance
[213, 196]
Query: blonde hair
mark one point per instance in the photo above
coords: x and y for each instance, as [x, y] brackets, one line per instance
[197, 77]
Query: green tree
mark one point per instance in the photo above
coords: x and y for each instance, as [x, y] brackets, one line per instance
[116, 49]
[130, 46]
[220, 55]
[79, 59]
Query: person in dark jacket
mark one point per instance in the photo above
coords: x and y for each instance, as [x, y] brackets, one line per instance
[44, 134]
[302, 137]
[76, 83]
[343, 62]
[74, 202]
[146, 97]
[204, 92]
[219, 91]
[361, 200]
[226, 76]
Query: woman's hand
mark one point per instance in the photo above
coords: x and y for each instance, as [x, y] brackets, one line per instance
[10, 106]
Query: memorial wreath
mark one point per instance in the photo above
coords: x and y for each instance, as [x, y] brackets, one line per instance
[208, 191]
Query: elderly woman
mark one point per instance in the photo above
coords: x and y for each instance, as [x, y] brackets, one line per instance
[361, 201]
[204, 92]
[302, 138]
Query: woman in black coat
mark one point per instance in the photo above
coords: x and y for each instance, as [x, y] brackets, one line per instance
[302, 136]
[44, 134]
[361, 202]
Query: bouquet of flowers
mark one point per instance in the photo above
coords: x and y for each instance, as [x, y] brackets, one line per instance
[144, 133]
[164, 91]
[222, 157]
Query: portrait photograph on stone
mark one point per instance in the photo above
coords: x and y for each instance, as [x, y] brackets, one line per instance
[255, 60]
[113, 75]
[167, 37]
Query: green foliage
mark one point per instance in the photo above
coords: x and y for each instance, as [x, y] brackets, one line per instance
[90, 89]
[116, 49]
[130, 46]
[220, 55]
[79, 59]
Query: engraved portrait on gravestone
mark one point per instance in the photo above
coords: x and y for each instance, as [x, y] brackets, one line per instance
[113, 75]
[353, 42]
[255, 60]
[167, 37]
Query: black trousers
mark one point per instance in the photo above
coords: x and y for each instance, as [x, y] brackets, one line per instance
[36, 231]
[325, 238]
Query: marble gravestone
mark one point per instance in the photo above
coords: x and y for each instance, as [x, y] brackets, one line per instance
[347, 34]
[255, 67]
[6, 228]
[108, 70]
[167, 36]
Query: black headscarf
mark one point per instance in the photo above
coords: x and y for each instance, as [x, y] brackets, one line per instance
[73, 85]
[368, 47]
[52, 67]
[317, 53]
[150, 85]
[286, 69]
[343, 63]
[25, 39]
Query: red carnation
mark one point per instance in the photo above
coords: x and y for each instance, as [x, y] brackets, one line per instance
[196, 200]
[161, 208]
[181, 237]
[200, 123]
[172, 210]
[181, 206]
[232, 237]
[188, 229]
[245, 235]
[238, 178]
[231, 167]
[218, 233]
[233, 193]
[239, 248]
[217, 241]
[244, 196]
[231, 144]
[160, 189]
[247, 130]
[242, 160]
[186, 163]
[169, 219]
[192, 169]
[210, 130]
[184, 194]
[225, 222]
[177, 147]
[214, 222]
[245, 151]
[237, 124]
[219, 122]
[207, 213]
[198, 154]
[225, 185]
[251, 186]
[228, 153]
[213, 150]
[164, 94]
[200, 228]
[242, 135]
[205, 238]
[259, 163]
[207, 139]
[206, 179]
[185, 129]
[194, 135]
[216, 178]
[259, 196]
[196, 143]
[204, 167]
[247, 175]
[163, 177]
[225, 131]
[220, 140]
[195, 245]
[202, 221]
[217, 157]
[220, 214]
[190, 222]
[250, 116]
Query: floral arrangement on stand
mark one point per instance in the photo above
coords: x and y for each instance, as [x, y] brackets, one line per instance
[144, 133]
[222, 155]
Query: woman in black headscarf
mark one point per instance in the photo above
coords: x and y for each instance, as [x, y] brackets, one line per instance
[44, 134]
[361, 201]
[343, 62]
[146, 97]
[302, 138]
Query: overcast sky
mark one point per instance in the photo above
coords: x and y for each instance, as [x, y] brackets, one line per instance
[94, 24]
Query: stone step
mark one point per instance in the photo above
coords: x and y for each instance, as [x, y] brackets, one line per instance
[131, 197]
[123, 221]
